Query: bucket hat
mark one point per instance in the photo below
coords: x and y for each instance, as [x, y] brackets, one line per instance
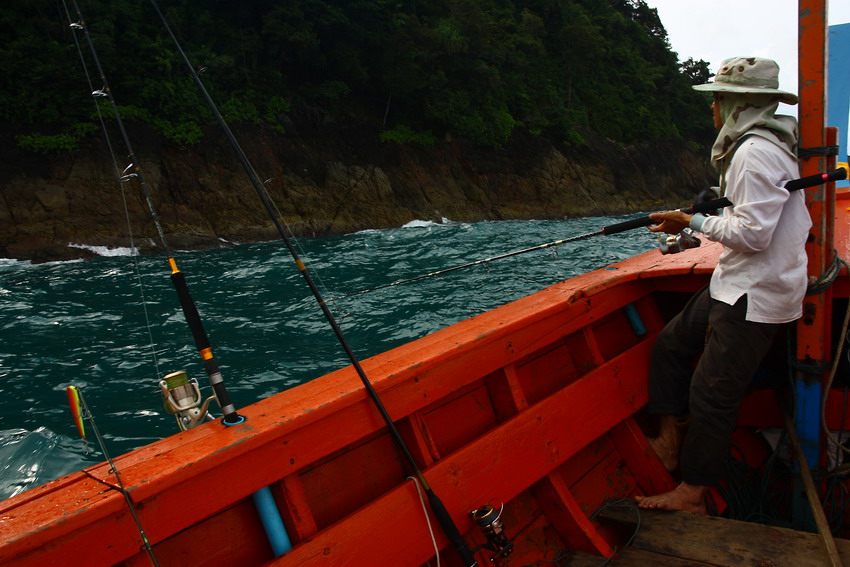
[751, 75]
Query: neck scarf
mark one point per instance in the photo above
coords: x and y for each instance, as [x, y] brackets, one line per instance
[752, 115]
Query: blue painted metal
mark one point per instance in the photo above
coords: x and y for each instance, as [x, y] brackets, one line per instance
[838, 107]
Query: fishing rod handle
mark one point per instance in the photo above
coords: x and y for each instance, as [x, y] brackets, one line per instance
[793, 185]
[449, 528]
[626, 225]
[817, 179]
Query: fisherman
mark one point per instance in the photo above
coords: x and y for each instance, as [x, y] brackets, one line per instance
[757, 286]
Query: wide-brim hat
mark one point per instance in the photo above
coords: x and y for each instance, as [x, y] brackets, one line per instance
[750, 75]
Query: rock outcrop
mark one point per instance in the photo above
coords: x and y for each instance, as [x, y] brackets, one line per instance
[323, 181]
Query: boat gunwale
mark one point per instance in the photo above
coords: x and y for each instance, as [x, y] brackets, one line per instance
[187, 455]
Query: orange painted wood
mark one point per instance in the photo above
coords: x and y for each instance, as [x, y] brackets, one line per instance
[594, 353]
[234, 536]
[290, 432]
[838, 410]
[522, 450]
[812, 329]
[640, 459]
[577, 466]
[295, 509]
[458, 421]
[350, 479]
[554, 368]
[535, 544]
[507, 393]
[614, 334]
[415, 434]
[568, 517]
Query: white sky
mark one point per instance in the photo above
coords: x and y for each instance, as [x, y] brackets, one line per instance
[714, 30]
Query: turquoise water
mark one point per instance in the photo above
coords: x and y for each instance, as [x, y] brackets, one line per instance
[112, 325]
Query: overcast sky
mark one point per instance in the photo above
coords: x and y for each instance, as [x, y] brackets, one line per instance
[714, 30]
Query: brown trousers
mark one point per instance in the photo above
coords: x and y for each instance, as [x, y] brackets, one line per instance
[732, 349]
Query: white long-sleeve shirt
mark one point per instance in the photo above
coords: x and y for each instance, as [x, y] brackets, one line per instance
[763, 235]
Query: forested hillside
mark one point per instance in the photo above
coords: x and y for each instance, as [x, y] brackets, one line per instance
[360, 113]
[411, 70]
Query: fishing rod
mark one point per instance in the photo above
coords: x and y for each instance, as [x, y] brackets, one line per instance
[181, 396]
[178, 279]
[440, 512]
[702, 207]
[79, 411]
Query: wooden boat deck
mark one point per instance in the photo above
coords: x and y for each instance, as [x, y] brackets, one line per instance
[680, 539]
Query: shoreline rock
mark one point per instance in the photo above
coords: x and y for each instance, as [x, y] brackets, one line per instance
[325, 182]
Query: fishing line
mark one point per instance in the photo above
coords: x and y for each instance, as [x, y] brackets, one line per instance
[475, 263]
[445, 520]
[74, 27]
[178, 279]
[702, 207]
[427, 518]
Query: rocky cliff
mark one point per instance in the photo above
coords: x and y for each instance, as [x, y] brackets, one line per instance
[324, 180]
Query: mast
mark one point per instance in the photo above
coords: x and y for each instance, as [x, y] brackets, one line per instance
[813, 329]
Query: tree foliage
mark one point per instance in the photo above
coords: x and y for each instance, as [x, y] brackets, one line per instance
[479, 69]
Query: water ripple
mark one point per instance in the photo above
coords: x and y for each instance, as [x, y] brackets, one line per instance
[90, 324]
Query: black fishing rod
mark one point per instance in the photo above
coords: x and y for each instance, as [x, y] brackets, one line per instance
[714, 204]
[443, 517]
[190, 311]
[703, 207]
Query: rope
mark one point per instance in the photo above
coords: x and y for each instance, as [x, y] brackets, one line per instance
[827, 278]
[427, 518]
[836, 361]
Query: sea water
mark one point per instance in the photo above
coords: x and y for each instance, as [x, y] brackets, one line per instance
[112, 326]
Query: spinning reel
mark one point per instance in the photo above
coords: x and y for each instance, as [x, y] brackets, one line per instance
[181, 397]
[490, 522]
[675, 243]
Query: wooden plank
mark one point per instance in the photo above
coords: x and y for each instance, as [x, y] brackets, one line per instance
[284, 434]
[523, 449]
[722, 542]
[640, 459]
[506, 393]
[566, 515]
[631, 557]
[296, 514]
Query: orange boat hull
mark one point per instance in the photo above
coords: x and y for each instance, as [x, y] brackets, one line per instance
[531, 404]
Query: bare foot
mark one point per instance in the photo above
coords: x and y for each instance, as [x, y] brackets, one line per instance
[685, 498]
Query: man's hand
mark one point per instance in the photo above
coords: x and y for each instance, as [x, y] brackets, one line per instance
[671, 222]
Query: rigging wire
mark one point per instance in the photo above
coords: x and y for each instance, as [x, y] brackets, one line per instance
[837, 263]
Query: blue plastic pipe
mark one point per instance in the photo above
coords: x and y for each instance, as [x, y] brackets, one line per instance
[273, 524]
[634, 318]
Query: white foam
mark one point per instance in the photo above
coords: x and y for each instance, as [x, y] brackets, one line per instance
[421, 224]
[107, 251]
